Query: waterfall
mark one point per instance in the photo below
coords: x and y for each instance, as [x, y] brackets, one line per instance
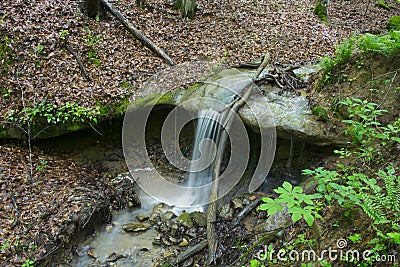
[207, 135]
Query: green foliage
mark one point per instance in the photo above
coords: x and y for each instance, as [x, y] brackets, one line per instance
[393, 23]
[300, 205]
[42, 165]
[64, 34]
[357, 189]
[53, 114]
[321, 12]
[365, 129]
[387, 44]
[320, 112]
[356, 238]
[343, 53]
[28, 263]
[6, 53]
[92, 39]
[92, 57]
[39, 48]
[3, 18]
[382, 4]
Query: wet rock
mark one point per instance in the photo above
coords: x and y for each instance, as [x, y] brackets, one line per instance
[237, 203]
[109, 228]
[157, 240]
[135, 226]
[168, 216]
[226, 211]
[142, 218]
[199, 218]
[174, 230]
[165, 241]
[159, 208]
[91, 253]
[185, 220]
[290, 112]
[183, 243]
[252, 197]
[154, 217]
[113, 257]
[191, 233]
[277, 220]
[173, 240]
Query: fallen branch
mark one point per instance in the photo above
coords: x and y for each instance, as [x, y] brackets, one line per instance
[191, 251]
[80, 63]
[16, 217]
[246, 211]
[212, 207]
[136, 33]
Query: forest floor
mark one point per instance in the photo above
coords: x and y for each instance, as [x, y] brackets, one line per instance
[38, 200]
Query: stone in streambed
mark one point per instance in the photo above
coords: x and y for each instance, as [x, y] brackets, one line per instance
[185, 220]
[142, 218]
[199, 218]
[237, 203]
[135, 226]
[226, 211]
[168, 216]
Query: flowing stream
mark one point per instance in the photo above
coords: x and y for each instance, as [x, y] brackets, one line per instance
[112, 241]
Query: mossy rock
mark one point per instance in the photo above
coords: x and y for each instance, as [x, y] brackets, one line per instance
[320, 112]
[382, 4]
[321, 12]
[185, 220]
[393, 23]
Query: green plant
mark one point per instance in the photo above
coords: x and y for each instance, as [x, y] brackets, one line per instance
[365, 129]
[356, 238]
[357, 189]
[382, 4]
[387, 44]
[93, 58]
[300, 205]
[343, 53]
[64, 34]
[39, 48]
[42, 165]
[92, 39]
[393, 23]
[52, 114]
[28, 263]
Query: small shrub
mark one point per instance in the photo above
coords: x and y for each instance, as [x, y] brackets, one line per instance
[300, 205]
[393, 23]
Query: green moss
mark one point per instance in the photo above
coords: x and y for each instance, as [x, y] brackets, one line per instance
[194, 87]
[382, 4]
[321, 12]
[393, 23]
[320, 112]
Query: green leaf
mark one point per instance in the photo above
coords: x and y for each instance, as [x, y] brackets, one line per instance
[308, 218]
[296, 217]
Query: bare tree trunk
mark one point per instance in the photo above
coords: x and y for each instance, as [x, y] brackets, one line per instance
[93, 8]
[188, 9]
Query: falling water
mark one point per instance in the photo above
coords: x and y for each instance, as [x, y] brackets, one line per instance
[208, 131]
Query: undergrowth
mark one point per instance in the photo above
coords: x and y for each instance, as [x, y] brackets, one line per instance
[364, 181]
[367, 45]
